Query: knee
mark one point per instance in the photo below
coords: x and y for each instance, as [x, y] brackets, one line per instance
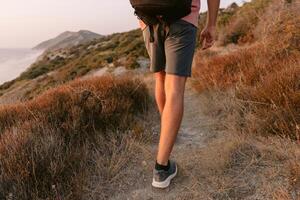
[174, 94]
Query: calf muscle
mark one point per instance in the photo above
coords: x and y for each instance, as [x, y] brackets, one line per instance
[171, 116]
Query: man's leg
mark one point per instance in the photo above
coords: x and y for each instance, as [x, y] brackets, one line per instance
[171, 116]
[160, 95]
[179, 44]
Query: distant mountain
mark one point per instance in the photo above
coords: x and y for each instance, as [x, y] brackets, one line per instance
[68, 39]
[231, 8]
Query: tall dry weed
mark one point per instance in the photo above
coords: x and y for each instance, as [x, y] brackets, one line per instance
[48, 145]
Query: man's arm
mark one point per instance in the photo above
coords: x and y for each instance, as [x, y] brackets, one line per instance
[213, 9]
[207, 36]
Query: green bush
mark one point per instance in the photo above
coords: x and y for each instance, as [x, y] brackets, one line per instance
[131, 63]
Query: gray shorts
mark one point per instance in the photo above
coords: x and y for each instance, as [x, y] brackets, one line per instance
[173, 48]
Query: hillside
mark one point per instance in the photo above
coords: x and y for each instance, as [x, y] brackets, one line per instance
[117, 51]
[106, 54]
[77, 129]
[262, 68]
[68, 39]
[95, 137]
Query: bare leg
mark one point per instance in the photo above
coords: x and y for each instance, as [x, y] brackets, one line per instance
[171, 116]
[160, 95]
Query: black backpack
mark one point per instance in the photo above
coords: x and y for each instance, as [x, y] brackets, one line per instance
[167, 10]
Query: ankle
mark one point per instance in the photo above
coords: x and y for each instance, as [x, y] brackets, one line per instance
[165, 167]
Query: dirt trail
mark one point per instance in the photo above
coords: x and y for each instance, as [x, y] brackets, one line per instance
[214, 163]
[195, 132]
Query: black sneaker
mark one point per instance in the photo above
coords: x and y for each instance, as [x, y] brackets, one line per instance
[162, 178]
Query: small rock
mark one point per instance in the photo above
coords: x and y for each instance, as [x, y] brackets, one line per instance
[144, 163]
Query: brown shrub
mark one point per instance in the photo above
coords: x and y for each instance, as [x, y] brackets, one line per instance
[275, 101]
[265, 75]
[48, 145]
[80, 103]
[223, 71]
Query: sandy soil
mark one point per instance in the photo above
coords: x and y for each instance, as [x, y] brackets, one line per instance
[213, 162]
[196, 130]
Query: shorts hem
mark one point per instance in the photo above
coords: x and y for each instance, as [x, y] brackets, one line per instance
[180, 74]
[157, 70]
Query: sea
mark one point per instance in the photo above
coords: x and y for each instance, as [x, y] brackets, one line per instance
[15, 61]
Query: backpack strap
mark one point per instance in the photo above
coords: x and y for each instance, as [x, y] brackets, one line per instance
[151, 28]
[148, 20]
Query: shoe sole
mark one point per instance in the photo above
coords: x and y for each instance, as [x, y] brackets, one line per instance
[165, 183]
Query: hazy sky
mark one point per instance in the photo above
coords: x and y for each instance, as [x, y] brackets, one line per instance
[24, 24]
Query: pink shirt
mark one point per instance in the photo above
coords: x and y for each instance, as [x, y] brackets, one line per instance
[191, 18]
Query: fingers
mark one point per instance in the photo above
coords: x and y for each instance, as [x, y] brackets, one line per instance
[207, 45]
[208, 42]
[203, 39]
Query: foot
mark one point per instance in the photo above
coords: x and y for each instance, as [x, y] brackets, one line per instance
[162, 178]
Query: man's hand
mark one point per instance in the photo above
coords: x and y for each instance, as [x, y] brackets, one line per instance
[207, 37]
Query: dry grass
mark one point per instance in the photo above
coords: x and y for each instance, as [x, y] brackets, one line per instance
[254, 91]
[233, 166]
[240, 28]
[265, 75]
[58, 145]
[251, 168]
